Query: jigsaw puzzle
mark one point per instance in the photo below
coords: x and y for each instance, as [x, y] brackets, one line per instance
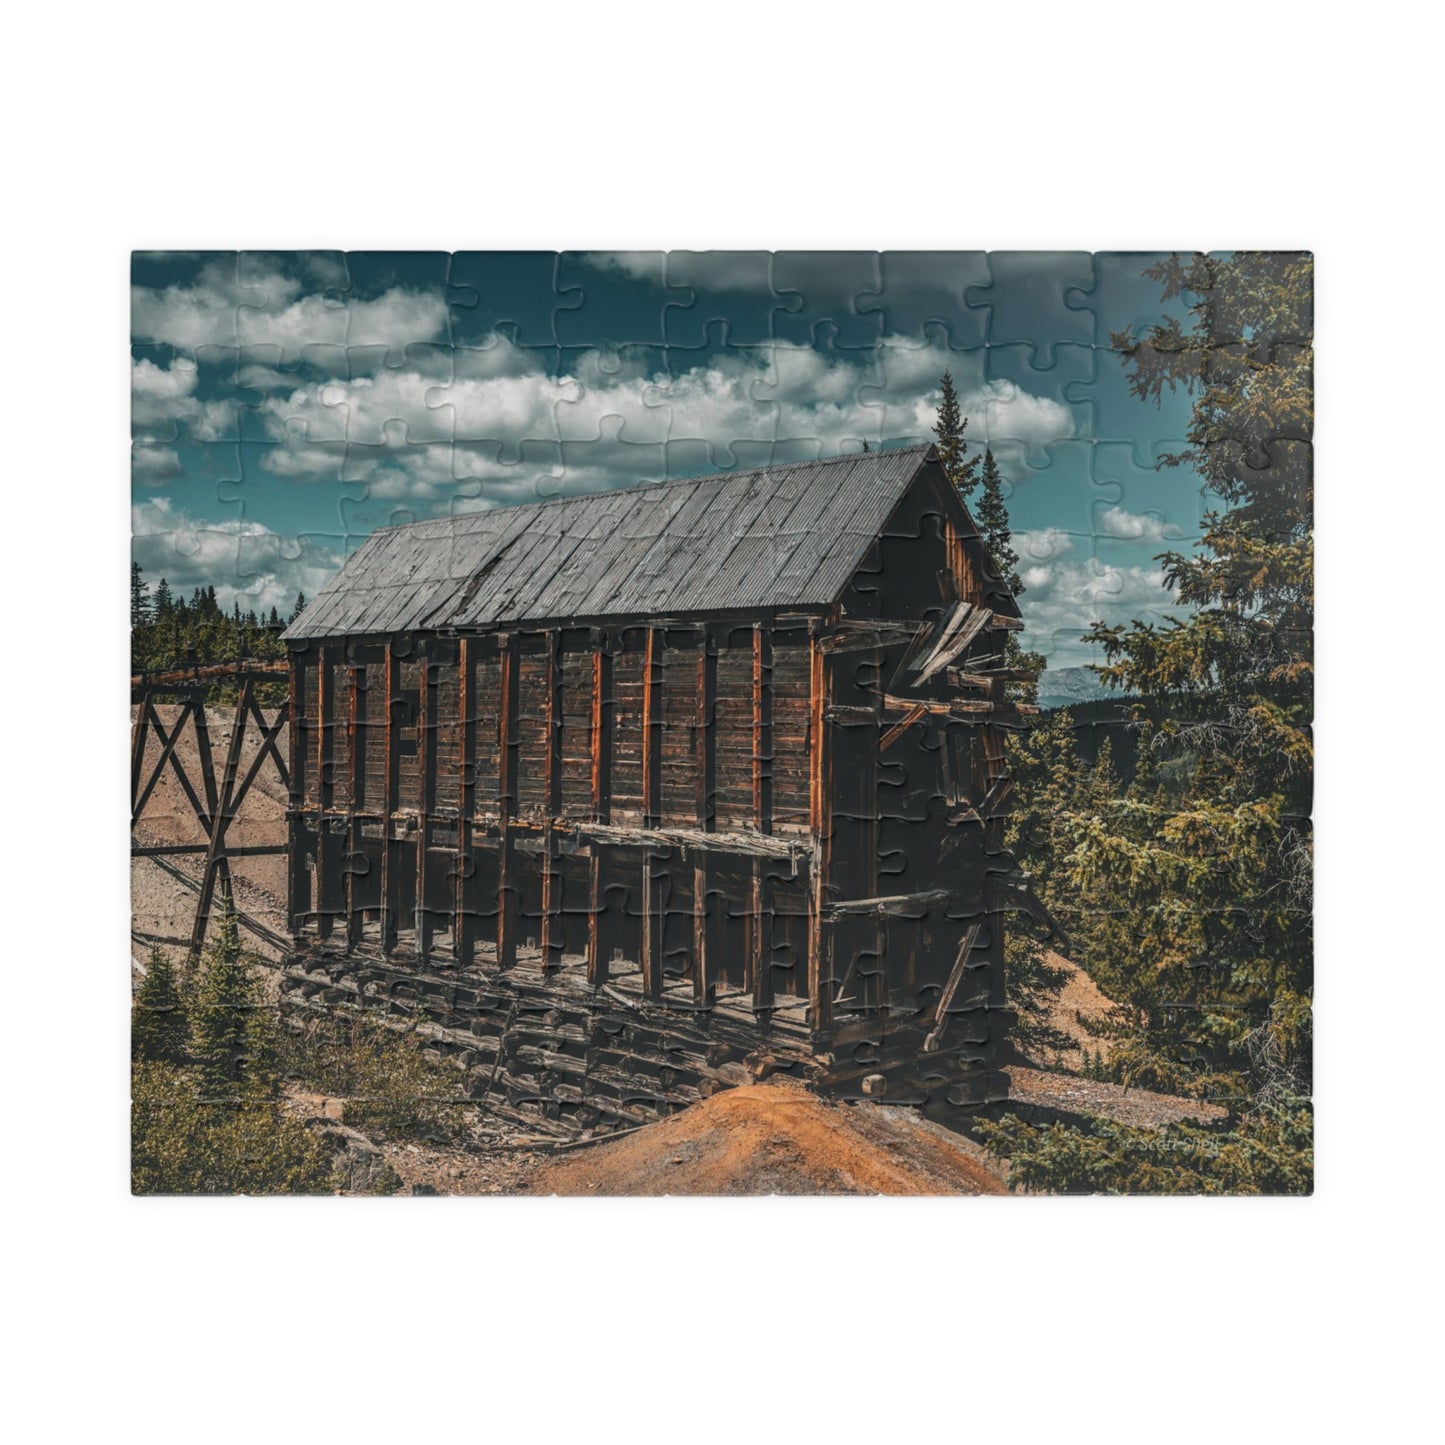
[660, 723]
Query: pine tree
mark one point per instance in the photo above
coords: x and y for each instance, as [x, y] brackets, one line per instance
[300, 606]
[140, 607]
[163, 599]
[158, 1019]
[1193, 889]
[992, 517]
[951, 429]
[274, 620]
[226, 1026]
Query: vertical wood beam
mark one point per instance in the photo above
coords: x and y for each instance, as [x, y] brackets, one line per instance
[426, 721]
[760, 943]
[356, 760]
[820, 780]
[704, 761]
[507, 747]
[390, 883]
[651, 927]
[652, 729]
[208, 779]
[325, 721]
[552, 806]
[295, 863]
[220, 821]
[463, 933]
[600, 747]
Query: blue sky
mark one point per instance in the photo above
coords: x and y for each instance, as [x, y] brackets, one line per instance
[286, 404]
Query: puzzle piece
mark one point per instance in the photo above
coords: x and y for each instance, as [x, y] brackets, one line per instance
[659, 707]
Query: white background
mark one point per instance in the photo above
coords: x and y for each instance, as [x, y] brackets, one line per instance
[909, 126]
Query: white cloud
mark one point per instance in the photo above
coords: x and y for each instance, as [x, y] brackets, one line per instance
[244, 561]
[266, 307]
[1136, 527]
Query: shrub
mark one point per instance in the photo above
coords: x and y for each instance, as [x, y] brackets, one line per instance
[184, 1143]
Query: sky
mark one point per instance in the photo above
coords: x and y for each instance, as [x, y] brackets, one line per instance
[284, 405]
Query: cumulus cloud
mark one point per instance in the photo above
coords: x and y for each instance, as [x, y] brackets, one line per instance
[1136, 527]
[1065, 593]
[232, 305]
[244, 561]
[609, 419]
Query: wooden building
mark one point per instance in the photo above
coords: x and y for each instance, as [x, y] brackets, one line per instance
[707, 771]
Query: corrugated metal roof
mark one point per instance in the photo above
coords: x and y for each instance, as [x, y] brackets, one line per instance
[784, 536]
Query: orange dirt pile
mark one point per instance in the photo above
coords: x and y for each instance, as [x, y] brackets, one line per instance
[775, 1138]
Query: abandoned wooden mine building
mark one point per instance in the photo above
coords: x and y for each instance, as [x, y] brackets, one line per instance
[709, 770]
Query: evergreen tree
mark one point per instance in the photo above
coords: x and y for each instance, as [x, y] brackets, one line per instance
[163, 600]
[993, 520]
[274, 620]
[229, 1030]
[140, 607]
[300, 606]
[951, 429]
[158, 1019]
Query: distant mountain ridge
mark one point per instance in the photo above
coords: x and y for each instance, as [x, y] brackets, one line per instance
[1061, 686]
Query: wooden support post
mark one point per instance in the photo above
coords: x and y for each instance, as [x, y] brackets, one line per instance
[463, 931]
[552, 807]
[760, 939]
[208, 779]
[507, 748]
[599, 931]
[426, 800]
[820, 763]
[390, 883]
[295, 861]
[651, 927]
[652, 730]
[138, 750]
[356, 760]
[704, 761]
[325, 722]
[220, 821]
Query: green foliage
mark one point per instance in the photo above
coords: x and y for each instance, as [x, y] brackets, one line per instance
[159, 1029]
[232, 1028]
[185, 1143]
[388, 1085]
[1270, 1152]
[169, 632]
[1187, 892]
[951, 429]
[992, 518]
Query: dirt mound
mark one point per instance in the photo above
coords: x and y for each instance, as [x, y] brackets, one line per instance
[776, 1138]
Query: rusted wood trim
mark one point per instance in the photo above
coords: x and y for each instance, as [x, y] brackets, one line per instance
[821, 781]
[704, 759]
[651, 959]
[390, 883]
[355, 782]
[295, 856]
[742, 844]
[760, 939]
[897, 905]
[950, 989]
[901, 727]
[652, 730]
[762, 729]
[552, 802]
[426, 800]
[600, 749]
[463, 933]
[507, 750]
